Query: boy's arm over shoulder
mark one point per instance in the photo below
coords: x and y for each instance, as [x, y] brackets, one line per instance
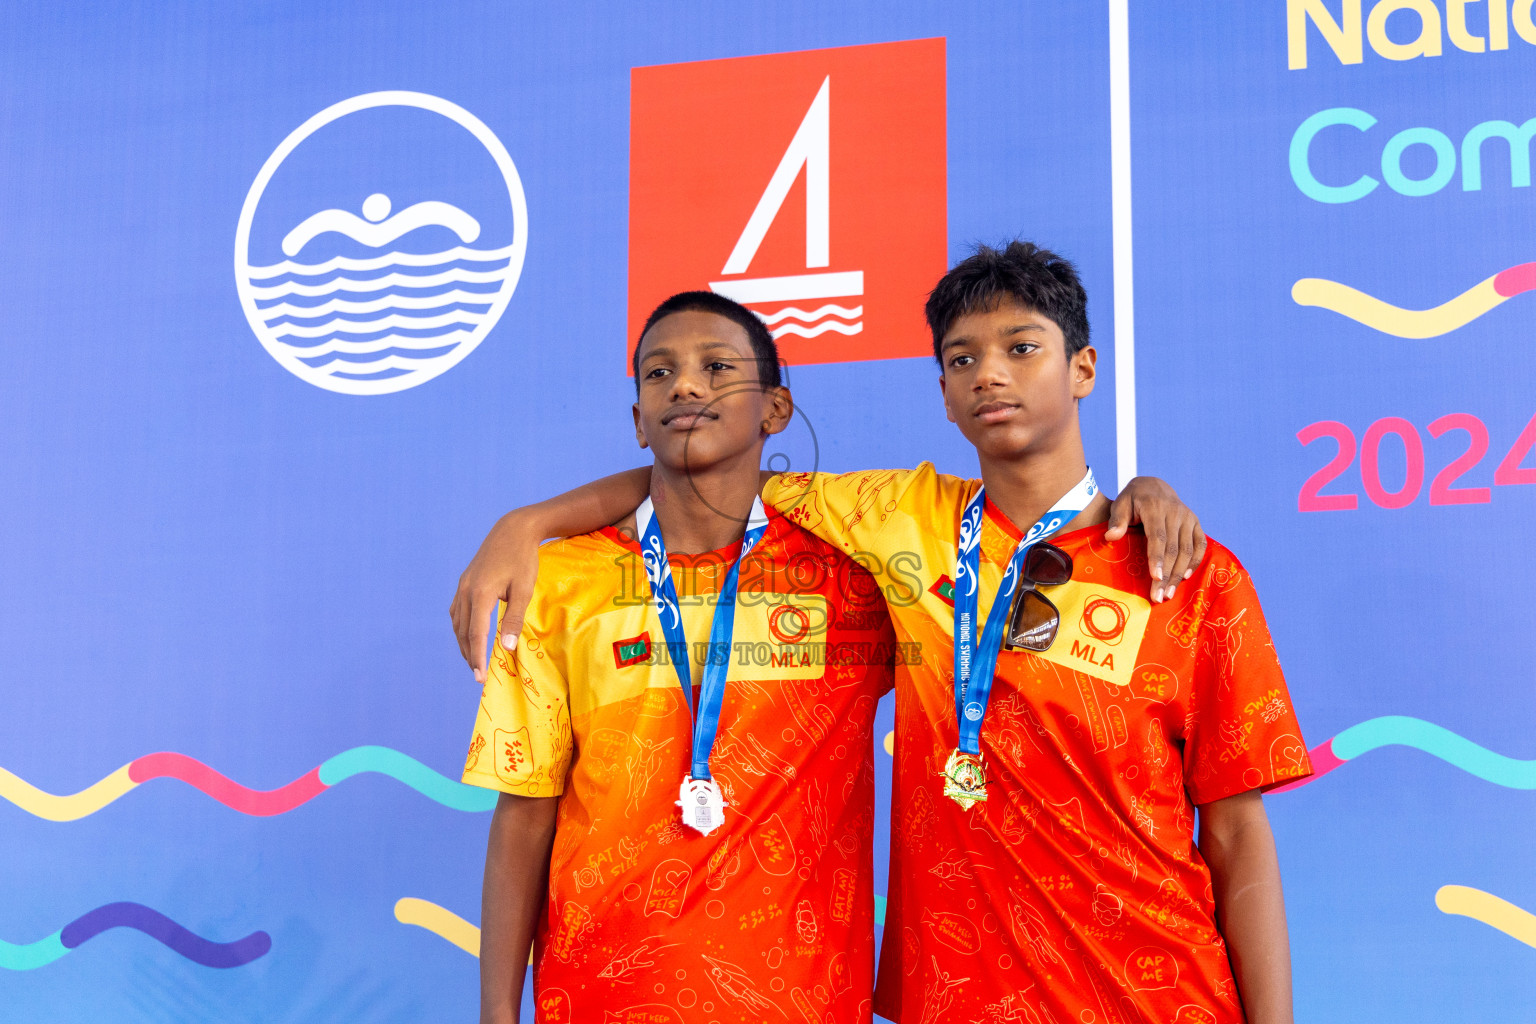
[852, 510]
[507, 563]
[1175, 540]
[1243, 732]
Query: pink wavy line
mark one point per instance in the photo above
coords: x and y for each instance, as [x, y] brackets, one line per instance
[168, 765]
[1515, 280]
[1324, 760]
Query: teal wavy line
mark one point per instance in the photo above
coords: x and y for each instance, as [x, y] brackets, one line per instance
[1400, 730]
[406, 769]
[34, 954]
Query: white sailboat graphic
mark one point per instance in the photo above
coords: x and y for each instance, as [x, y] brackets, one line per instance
[810, 149]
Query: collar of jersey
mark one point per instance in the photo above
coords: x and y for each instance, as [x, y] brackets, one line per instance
[1000, 520]
[724, 555]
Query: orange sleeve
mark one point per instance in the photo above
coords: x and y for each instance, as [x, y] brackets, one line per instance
[1242, 730]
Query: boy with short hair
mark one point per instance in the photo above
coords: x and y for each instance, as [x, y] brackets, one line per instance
[1046, 792]
[684, 748]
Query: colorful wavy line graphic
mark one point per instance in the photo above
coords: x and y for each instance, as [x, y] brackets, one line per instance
[1402, 731]
[140, 918]
[1416, 323]
[357, 761]
[440, 921]
[1516, 922]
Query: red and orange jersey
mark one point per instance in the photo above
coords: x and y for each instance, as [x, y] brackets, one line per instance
[1075, 891]
[768, 918]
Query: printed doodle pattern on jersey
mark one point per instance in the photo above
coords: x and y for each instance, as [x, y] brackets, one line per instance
[1096, 752]
[770, 917]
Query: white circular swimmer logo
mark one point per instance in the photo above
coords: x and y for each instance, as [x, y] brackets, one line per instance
[381, 242]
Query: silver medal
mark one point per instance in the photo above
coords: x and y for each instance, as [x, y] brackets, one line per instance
[702, 803]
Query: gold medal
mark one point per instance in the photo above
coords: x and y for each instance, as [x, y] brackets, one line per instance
[965, 779]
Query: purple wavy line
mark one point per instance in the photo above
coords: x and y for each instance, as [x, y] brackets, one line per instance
[161, 928]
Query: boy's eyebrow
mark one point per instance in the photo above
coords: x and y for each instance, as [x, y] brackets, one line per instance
[1007, 331]
[662, 350]
[1016, 329]
[710, 346]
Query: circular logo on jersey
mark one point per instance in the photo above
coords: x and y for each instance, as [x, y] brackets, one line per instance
[789, 624]
[1104, 619]
[974, 711]
[380, 242]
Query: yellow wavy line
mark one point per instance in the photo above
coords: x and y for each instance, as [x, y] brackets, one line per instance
[1516, 922]
[439, 921]
[69, 807]
[1390, 319]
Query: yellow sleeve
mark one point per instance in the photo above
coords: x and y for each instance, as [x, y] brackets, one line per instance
[522, 741]
[847, 510]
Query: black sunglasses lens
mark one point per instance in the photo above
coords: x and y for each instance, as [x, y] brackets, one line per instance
[1033, 623]
[1047, 565]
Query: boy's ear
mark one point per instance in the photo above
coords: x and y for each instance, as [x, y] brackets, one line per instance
[944, 394]
[1084, 369]
[639, 430]
[781, 408]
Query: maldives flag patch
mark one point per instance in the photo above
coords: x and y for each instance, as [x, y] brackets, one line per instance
[634, 651]
[944, 589]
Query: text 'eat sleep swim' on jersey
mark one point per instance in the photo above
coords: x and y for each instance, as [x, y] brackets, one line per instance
[769, 917]
[1074, 893]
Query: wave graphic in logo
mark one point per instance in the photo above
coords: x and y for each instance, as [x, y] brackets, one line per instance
[1382, 316]
[831, 317]
[388, 318]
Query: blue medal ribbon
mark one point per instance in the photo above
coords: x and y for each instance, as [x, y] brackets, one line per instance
[706, 719]
[976, 658]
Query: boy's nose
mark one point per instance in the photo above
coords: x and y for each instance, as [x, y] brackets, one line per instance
[991, 372]
[687, 385]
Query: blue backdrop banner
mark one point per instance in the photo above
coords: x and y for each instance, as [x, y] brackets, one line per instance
[298, 298]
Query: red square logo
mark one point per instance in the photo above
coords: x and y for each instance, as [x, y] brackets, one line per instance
[809, 186]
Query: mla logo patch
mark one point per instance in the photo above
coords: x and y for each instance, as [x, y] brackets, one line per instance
[789, 624]
[809, 186]
[1104, 619]
[1101, 630]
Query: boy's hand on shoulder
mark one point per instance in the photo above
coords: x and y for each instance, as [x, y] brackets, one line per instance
[504, 569]
[1175, 541]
